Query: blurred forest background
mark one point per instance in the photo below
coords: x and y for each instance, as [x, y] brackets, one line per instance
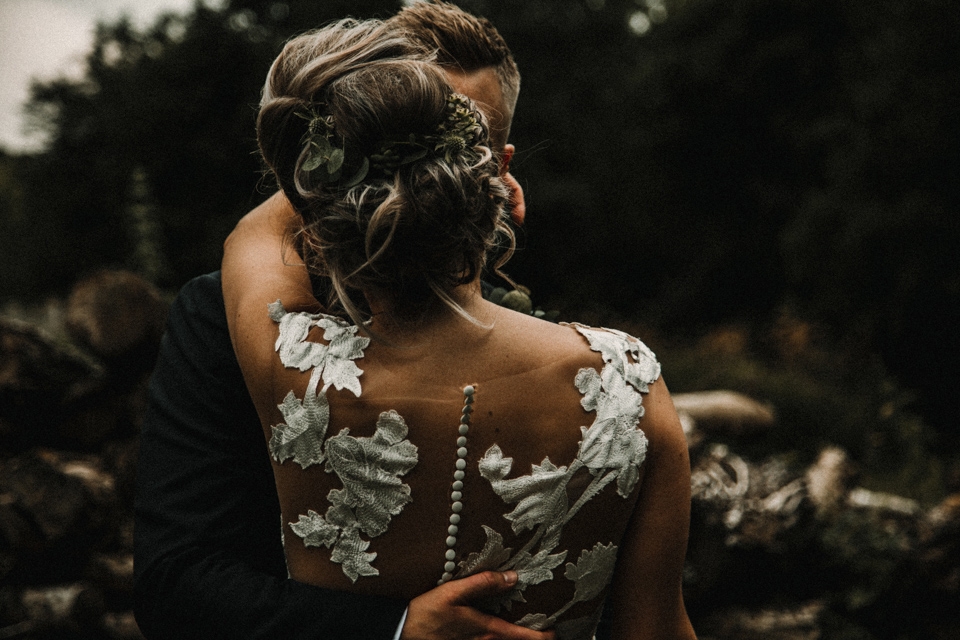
[765, 190]
[774, 180]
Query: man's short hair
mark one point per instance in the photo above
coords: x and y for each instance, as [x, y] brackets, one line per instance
[465, 41]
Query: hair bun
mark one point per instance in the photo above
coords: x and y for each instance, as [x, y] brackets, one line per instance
[390, 170]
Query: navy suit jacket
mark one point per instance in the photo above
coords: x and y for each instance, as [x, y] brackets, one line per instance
[208, 559]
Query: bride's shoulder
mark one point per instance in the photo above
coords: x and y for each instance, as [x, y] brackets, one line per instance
[590, 344]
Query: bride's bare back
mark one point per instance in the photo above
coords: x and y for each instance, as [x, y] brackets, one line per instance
[525, 402]
[465, 437]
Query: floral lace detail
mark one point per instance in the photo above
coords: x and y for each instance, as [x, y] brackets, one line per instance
[369, 468]
[612, 448]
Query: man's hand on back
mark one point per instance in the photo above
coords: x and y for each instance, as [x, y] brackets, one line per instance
[445, 613]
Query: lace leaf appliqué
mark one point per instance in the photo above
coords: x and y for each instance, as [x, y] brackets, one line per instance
[540, 496]
[332, 361]
[372, 493]
[611, 448]
[301, 436]
[592, 572]
[369, 468]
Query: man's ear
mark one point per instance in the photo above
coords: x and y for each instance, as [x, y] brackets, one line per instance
[508, 150]
[518, 207]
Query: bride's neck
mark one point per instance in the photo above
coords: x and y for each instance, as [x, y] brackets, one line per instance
[474, 316]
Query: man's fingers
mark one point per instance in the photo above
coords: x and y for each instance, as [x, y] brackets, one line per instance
[481, 585]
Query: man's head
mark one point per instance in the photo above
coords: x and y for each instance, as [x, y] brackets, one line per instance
[474, 55]
[479, 64]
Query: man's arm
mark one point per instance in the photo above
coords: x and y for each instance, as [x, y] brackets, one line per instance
[209, 563]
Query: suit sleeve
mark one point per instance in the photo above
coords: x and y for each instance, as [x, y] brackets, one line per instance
[208, 557]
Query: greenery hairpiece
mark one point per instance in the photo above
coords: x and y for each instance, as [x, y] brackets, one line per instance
[457, 134]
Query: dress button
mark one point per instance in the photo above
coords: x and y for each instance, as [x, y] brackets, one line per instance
[461, 464]
[461, 441]
[453, 530]
[451, 541]
[456, 495]
[468, 390]
[446, 577]
[462, 452]
[456, 507]
[459, 474]
[451, 554]
[464, 429]
[449, 567]
[454, 518]
[458, 485]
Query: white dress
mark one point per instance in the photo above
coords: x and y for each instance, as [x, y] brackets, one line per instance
[371, 471]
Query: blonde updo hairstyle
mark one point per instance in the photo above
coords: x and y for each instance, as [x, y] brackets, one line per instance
[409, 238]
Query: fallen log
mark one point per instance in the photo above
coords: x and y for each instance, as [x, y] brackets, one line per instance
[725, 412]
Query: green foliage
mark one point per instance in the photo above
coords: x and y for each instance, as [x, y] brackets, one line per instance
[174, 103]
[737, 156]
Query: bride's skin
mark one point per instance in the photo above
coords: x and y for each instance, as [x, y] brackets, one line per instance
[261, 266]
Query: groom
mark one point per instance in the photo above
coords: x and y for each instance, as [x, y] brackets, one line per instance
[209, 560]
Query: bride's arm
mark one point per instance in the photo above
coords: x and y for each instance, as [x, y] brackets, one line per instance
[260, 266]
[647, 596]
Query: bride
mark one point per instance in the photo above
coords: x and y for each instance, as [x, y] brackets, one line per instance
[418, 433]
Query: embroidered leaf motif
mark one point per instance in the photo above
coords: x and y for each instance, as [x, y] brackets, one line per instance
[611, 445]
[640, 369]
[339, 513]
[344, 347]
[535, 621]
[350, 552]
[490, 558]
[292, 346]
[314, 530]
[612, 448]
[493, 466]
[588, 384]
[613, 441]
[593, 571]
[369, 470]
[541, 497]
[538, 568]
[301, 437]
[334, 361]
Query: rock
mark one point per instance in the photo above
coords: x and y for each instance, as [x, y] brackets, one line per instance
[756, 504]
[39, 378]
[111, 572]
[801, 622]
[60, 507]
[121, 626]
[940, 547]
[120, 317]
[726, 412]
[829, 479]
[70, 606]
